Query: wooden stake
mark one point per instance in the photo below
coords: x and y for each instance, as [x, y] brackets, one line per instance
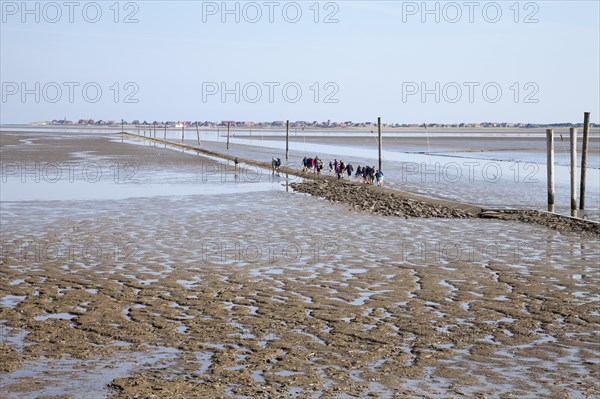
[550, 168]
[287, 139]
[197, 133]
[182, 132]
[584, 151]
[227, 135]
[380, 143]
[573, 171]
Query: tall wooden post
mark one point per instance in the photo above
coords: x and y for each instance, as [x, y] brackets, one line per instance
[182, 133]
[165, 136]
[379, 134]
[584, 151]
[227, 135]
[197, 133]
[573, 171]
[550, 167]
[287, 139]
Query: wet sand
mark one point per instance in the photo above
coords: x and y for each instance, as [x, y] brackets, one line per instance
[501, 172]
[280, 294]
[436, 143]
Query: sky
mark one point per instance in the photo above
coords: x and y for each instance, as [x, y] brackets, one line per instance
[408, 62]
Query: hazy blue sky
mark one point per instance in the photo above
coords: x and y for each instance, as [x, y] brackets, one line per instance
[375, 60]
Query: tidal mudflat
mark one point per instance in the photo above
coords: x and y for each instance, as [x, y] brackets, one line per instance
[223, 290]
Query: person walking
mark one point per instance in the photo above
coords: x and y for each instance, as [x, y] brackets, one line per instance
[379, 178]
[372, 176]
[349, 170]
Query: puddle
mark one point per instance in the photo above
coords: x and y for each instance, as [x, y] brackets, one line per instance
[257, 375]
[12, 336]
[267, 338]
[61, 316]
[10, 301]
[444, 283]
[60, 377]
[287, 373]
[204, 360]
[189, 284]
[362, 298]
[349, 273]
[489, 339]
[502, 320]
[305, 298]
[14, 190]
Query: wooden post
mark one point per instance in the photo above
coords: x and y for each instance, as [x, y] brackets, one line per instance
[227, 135]
[379, 134]
[165, 135]
[287, 139]
[573, 171]
[584, 150]
[550, 168]
[182, 132]
[197, 133]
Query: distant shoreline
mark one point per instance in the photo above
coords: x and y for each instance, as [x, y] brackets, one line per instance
[467, 130]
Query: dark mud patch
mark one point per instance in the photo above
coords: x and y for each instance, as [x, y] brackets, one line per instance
[377, 201]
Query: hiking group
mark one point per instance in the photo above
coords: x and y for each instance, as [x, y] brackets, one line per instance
[365, 174]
